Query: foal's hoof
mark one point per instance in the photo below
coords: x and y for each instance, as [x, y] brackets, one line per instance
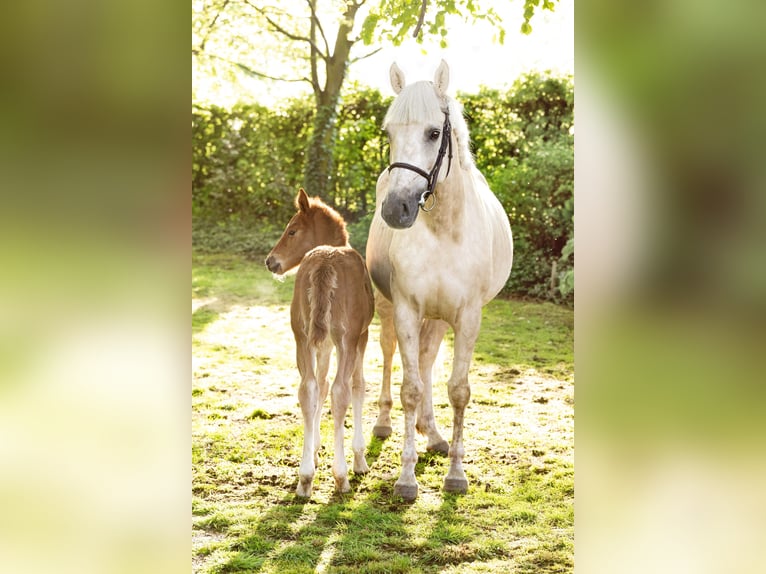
[406, 491]
[457, 485]
[381, 431]
[440, 447]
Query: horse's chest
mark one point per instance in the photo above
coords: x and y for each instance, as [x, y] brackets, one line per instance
[438, 282]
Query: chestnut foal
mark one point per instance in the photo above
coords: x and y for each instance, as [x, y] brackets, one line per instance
[332, 306]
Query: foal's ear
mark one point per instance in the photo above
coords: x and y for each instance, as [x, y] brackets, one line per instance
[397, 78]
[441, 78]
[302, 201]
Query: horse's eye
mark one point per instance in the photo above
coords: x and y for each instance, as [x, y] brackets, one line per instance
[291, 232]
[435, 135]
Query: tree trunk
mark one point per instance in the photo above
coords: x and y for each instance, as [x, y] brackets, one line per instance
[319, 169]
[319, 172]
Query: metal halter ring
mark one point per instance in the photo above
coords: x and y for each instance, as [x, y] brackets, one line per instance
[424, 198]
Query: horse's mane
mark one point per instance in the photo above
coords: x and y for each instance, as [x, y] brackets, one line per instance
[318, 206]
[419, 103]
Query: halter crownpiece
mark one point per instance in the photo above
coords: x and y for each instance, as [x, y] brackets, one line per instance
[433, 175]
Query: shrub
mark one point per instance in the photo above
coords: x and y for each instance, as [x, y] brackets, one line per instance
[248, 164]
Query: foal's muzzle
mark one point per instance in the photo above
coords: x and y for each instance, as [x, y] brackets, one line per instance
[273, 265]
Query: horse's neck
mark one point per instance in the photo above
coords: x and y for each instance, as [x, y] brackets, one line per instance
[449, 212]
[332, 236]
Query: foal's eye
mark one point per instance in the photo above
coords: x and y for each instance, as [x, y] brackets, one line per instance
[291, 232]
[434, 135]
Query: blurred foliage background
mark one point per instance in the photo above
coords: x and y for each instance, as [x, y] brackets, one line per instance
[248, 162]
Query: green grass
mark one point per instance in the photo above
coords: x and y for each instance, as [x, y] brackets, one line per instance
[247, 434]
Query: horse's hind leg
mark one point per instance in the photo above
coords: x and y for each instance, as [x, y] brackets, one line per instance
[459, 395]
[341, 396]
[324, 353]
[431, 335]
[308, 396]
[357, 402]
[382, 428]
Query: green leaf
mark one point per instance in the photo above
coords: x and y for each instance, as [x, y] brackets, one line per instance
[568, 249]
[526, 28]
[368, 27]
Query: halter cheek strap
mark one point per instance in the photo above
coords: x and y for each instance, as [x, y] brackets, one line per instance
[433, 175]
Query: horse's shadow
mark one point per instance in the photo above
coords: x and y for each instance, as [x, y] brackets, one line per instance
[274, 538]
[253, 551]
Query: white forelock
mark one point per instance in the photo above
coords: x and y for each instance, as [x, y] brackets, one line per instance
[419, 103]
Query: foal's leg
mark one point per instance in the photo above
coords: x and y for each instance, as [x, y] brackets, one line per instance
[466, 332]
[382, 428]
[308, 396]
[431, 335]
[324, 352]
[357, 402]
[341, 396]
[407, 324]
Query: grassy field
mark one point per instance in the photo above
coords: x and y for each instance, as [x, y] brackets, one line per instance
[518, 514]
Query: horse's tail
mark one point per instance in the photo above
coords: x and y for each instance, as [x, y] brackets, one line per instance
[324, 282]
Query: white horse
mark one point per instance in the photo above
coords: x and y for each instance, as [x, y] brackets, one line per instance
[438, 267]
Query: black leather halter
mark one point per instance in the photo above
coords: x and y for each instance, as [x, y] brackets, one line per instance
[433, 175]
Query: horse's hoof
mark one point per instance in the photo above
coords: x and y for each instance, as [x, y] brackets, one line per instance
[458, 485]
[440, 447]
[342, 485]
[304, 489]
[406, 491]
[381, 431]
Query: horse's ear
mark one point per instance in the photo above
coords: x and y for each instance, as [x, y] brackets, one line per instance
[441, 78]
[397, 78]
[302, 200]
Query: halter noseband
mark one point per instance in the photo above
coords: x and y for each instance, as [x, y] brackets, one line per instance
[433, 175]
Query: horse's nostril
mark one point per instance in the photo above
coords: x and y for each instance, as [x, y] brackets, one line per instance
[405, 209]
[273, 265]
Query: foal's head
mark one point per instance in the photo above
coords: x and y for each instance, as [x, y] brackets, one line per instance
[316, 223]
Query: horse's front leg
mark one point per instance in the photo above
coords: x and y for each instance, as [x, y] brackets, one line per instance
[407, 324]
[431, 335]
[466, 333]
[382, 428]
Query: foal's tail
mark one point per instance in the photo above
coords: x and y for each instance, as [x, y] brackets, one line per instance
[324, 282]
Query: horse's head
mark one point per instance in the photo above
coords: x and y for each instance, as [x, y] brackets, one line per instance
[419, 127]
[314, 224]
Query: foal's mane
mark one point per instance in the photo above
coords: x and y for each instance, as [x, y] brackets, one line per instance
[317, 206]
[419, 103]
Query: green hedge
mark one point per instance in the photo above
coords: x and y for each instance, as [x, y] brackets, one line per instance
[248, 164]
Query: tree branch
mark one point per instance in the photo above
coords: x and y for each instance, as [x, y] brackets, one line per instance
[251, 72]
[421, 17]
[375, 51]
[318, 24]
[210, 27]
[281, 30]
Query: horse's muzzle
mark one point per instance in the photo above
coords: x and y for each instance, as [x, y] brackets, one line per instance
[273, 265]
[399, 213]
